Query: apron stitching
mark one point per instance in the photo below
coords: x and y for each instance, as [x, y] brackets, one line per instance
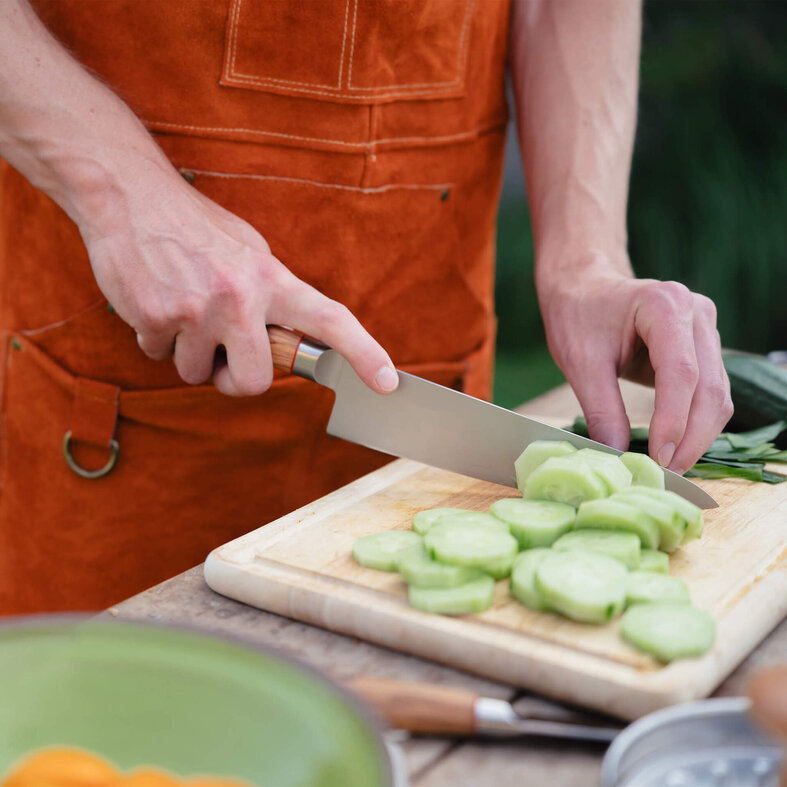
[429, 89]
[455, 81]
[352, 46]
[344, 40]
[154, 124]
[328, 90]
[60, 323]
[233, 73]
[364, 190]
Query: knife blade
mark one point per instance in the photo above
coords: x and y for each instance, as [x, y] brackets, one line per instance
[430, 423]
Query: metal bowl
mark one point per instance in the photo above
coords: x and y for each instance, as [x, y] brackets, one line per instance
[182, 700]
[711, 743]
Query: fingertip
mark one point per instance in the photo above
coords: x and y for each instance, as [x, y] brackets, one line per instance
[386, 380]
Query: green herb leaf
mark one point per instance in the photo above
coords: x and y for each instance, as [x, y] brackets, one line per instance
[755, 437]
[773, 478]
[752, 472]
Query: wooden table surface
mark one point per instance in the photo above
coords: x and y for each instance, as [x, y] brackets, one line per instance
[435, 762]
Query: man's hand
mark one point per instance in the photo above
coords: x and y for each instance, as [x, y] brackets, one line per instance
[185, 273]
[575, 68]
[609, 325]
[189, 276]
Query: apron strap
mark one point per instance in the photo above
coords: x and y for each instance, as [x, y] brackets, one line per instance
[93, 421]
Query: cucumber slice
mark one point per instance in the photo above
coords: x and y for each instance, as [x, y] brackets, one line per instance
[418, 568]
[612, 471]
[475, 596]
[565, 479]
[423, 520]
[645, 587]
[381, 550]
[644, 471]
[536, 454]
[624, 547]
[668, 631]
[671, 526]
[462, 543]
[475, 518]
[534, 523]
[690, 513]
[582, 586]
[523, 578]
[653, 560]
[613, 515]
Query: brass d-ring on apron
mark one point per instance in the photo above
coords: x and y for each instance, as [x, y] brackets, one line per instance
[93, 421]
[90, 474]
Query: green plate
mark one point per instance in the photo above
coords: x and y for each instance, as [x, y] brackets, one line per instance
[180, 700]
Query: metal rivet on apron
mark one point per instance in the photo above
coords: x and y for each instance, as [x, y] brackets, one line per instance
[89, 474]
[188, 175]
[16, 344]
[444, 196]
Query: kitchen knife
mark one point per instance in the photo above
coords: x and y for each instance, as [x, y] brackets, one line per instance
[446, 710]
[431, 423]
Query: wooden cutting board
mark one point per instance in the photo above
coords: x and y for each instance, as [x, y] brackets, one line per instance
[300, 566]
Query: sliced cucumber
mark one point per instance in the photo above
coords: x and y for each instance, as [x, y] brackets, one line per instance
[534, 523]
[644, 471]
[668, 631]
[613, 515]
[671, 526]
[536, 454]
[653, 560]
[380, 550]
[565, 479]
[690, 513]
[418, 568]
[424, 520]
[480, 519]
[475, 596]
[645, 587]
[523, 578]
[464, 543]
[582, 586]
[624, 547]
[612, 471]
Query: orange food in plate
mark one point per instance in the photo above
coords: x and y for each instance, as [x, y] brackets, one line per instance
[67, 767]
[148, 777]
[62, 768]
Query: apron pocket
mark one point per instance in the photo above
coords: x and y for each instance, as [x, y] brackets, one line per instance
[194, 470]
[349, 51]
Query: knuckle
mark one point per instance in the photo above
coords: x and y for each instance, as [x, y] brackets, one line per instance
[670, 295]
[705, 307]
[685, 370]
[334, 314]
[595, 419]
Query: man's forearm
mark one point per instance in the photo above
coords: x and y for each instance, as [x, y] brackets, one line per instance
[61, 127]
[575, 66]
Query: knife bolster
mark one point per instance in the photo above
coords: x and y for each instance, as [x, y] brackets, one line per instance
[294, 353]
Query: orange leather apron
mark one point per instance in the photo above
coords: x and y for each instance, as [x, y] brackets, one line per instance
[363, 139]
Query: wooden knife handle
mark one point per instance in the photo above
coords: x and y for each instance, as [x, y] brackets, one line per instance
[419, 707]
[284, 346]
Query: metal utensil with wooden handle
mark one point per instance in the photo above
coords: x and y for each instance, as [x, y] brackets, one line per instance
[431, 423]
[444, 710]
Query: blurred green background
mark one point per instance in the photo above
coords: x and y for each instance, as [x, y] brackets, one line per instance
[708, 200]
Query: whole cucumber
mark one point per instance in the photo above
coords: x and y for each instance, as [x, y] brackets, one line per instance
[759, 391]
